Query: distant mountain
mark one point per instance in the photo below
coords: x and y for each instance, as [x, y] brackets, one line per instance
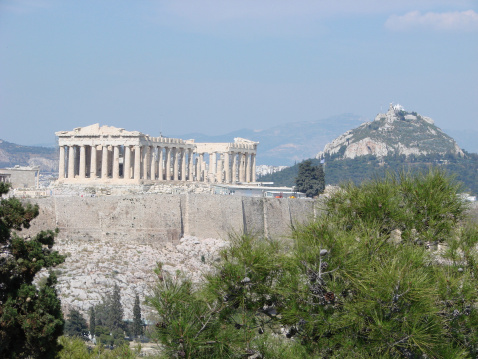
[396, 132]
[288, 143]
[12, 154]
[394, 141]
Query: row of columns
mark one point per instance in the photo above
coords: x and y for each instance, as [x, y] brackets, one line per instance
[155, 163]
[226, 167]
[138, 162]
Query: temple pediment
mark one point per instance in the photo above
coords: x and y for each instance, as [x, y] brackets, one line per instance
[97, 130]
[243, 140]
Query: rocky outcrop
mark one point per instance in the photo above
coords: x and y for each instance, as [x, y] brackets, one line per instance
[94, 266]
[395, 132]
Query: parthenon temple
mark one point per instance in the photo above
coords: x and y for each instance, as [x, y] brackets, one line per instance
[110, 155]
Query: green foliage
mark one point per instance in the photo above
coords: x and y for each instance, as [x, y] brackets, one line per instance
[364, 167]
[310, 179]
[75, 348]
[360, 282]
[30, 318]
[109, 325]
[110, 337]
[137, 322]
[110, 313]
[75, 325]
[92, 320]
[423, 202]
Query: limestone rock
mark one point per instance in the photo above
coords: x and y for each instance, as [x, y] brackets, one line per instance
[396, 236]
[394, 132]
[93, 267]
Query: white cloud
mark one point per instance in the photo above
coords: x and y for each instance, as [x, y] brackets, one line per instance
[280, 17]
[447, 21]
[230, 10]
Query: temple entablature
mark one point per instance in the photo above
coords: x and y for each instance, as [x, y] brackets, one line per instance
[106, 154]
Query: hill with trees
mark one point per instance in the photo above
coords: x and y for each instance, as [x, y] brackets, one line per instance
[337, 171]
[394, 141]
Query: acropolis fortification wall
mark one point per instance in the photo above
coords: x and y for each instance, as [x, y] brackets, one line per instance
[157, 219]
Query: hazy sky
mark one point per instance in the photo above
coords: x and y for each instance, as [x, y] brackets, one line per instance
[215, 66]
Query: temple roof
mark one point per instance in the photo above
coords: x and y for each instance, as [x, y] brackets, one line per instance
[96, 130]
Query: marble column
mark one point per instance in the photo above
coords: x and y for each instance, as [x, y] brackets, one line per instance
[191, 164]
[61, 165]
[219, 168]
[248, 167]
[242, 177]
[71, 162]
[146, 161]
[104, 162]
[137, 163]
[183, 164]
[93, 162]
[234, 167]
[253, 157]
[212, 166]
[176, 163]
[227, 167]
[196, 168]
[160, 164]
[153, 163]
[115, 162]
[168, 164]
[127, 163]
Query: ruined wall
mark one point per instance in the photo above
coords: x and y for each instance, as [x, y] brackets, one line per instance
[157, 219]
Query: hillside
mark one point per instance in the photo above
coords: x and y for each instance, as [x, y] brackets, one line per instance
[12, 154]
[397, 140]
[396, 132]
[365, 167]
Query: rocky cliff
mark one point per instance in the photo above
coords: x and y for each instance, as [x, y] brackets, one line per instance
[395, 132]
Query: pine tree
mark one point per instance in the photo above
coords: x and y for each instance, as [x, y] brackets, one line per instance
[109, 319]
[320, 178]
[115, 309]
[137, 322]
[75, 325]
[92, 320]
[362, 281]
[30, 318]
[310, 179]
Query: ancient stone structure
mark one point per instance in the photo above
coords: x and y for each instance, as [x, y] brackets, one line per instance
[165, 218]
[110, 155]
[21, 177]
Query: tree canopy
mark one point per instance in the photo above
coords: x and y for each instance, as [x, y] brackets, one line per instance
[137, 321]
[109, 319]
[75, 325]
[389, 271]
[30, 318]
[310, 179]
